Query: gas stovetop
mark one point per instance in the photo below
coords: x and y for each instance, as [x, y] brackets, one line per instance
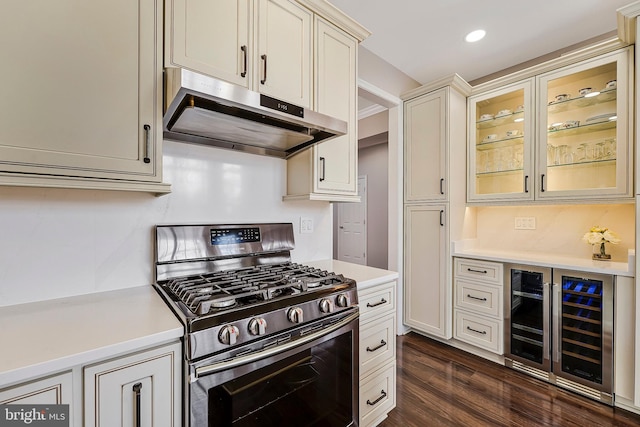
[234, 285]
[228, 290]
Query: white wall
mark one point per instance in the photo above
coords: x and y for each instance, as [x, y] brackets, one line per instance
[559, 228]
[372, 162]
[58, 242]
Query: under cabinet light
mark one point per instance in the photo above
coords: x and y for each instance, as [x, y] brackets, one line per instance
[592, 94]
[520, 119]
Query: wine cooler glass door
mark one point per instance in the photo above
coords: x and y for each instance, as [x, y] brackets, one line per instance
[583, 314]
[528, 311]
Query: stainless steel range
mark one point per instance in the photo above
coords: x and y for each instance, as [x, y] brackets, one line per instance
[267, 341]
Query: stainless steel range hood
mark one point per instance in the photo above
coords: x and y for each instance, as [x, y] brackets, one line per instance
[204, 110]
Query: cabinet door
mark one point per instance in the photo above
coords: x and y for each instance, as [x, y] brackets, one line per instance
[335, 95]
[210, 37]
[427, 297]
[500, 144]
[53, 390]
[284, 51]
[584, 129]
[144, 387]
[81, 94]
[426, 147]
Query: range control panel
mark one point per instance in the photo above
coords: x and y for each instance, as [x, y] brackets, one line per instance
[231, 236]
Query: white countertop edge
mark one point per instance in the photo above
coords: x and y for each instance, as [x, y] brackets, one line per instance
[464, 250]
[67, 363]
[364, 276]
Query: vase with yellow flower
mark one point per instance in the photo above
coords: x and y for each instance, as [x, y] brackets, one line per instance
[597, 237]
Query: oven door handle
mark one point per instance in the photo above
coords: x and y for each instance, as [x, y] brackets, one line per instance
[241, 360]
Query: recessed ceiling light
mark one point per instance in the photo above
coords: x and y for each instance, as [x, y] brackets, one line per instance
[476, 35]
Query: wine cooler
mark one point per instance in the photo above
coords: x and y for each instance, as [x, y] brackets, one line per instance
[559, 327]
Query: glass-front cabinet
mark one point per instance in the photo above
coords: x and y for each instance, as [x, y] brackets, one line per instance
[500, 144]
[584, 135]
[560, 135]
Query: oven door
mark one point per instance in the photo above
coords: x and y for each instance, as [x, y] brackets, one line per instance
[306, 377]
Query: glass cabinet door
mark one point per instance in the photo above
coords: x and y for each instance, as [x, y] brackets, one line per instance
[583, 141]
[500, 154]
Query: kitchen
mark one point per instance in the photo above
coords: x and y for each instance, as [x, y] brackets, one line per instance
[88, 241]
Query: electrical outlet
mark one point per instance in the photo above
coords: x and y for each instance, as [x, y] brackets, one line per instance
[306, 225]
[525, 223]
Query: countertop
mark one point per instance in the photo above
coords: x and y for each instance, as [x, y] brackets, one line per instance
[45, 337]
[548, 260]
[363, 275]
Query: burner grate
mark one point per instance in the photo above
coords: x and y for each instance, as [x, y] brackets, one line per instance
[222, 290]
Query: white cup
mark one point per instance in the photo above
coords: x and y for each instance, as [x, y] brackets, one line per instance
[512, 133]
[611, 84]
[491, 137]
[503, 113]
[563, 97]
[486, 117]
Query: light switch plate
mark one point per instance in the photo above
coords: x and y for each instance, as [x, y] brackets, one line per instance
[306, 225]
[525, 223]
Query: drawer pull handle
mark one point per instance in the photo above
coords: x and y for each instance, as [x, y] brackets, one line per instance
[476, 331]
[147, 143]
[383, 394]
[476, 298]
[382, 344]
[264, 69]
[382, 301]
[244, 61]
[136, 393]
[477, 271]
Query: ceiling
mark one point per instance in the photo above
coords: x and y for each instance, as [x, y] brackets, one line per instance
[425, 38]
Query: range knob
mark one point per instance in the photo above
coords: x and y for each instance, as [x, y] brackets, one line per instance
[326, 306]
[257, 326]
[342, 300]
[228, 335]
[295, 315]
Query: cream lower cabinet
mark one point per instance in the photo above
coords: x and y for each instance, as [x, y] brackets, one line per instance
[57, 389]
[478, 304]
[377, 353]
[427, 295]
[143, 389]
[328, 171]
[81, 97]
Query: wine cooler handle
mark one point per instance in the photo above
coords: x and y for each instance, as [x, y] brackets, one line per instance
[557, 322]
[546, 337]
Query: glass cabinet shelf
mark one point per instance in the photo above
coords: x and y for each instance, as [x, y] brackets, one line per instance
[499, 143]
[499, 172]
[582, 129]
[499, 121]
[584, 163]
[582, 101]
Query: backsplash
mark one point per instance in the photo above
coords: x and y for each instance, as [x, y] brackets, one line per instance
[59, 242]
[559, 228]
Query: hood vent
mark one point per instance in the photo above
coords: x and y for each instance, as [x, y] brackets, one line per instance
[204, 110]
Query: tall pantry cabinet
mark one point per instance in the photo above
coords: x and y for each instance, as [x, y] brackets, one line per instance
[434, 200]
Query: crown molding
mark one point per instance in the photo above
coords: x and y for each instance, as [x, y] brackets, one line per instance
[337, 17]
[453, 81]
[626, 16]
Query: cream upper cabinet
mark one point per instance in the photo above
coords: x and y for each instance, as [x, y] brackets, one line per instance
[585, 147]
[211, 37]
[425, 152]
[284, 51]
[328, 171]
[264, 45]
[563, 134]
[500, 144]
[81, 103]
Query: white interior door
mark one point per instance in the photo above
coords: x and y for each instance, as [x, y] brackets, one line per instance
[352, 227]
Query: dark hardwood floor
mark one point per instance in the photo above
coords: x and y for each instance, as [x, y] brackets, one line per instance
[438, 385]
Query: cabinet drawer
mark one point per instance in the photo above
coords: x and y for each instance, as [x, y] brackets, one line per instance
[377, 395]
[479, 331]
[377, 343]
[377, 300]
[490, 272]
[479, 298]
